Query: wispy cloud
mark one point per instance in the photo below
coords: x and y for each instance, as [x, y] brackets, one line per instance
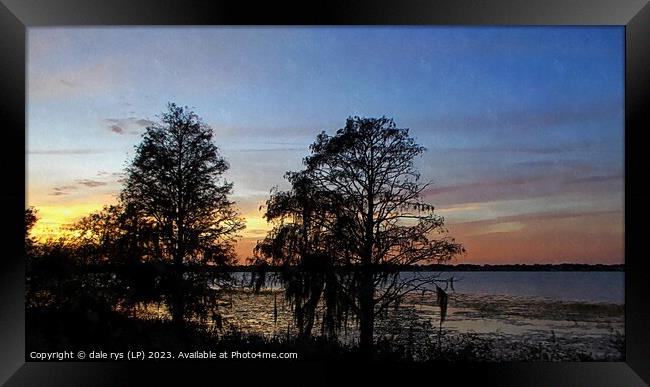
[105, 179]
[537, 216]
[91, 183]
[530, 185]
[501, 227]
[144, 122]
[128, 125]
[116, 129]
[62, 190]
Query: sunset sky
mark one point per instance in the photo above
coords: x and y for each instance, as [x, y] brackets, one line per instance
[524, 127]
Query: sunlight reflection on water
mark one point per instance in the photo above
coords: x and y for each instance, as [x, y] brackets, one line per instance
[418, 317]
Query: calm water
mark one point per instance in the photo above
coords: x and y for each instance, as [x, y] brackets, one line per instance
[595, 286]
[508, 307]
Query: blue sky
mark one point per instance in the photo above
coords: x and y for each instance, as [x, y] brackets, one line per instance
[523, 125]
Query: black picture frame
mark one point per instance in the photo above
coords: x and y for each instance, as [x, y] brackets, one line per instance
[17, 15]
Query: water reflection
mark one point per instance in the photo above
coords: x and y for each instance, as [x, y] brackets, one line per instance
[588, 327]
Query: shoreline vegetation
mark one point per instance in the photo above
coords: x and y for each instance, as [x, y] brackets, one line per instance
[568, 267]
[484, 328]
[476, 267]
[102, 307]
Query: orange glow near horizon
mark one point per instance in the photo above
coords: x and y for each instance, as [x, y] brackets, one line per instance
[52, 220]
[595, 238]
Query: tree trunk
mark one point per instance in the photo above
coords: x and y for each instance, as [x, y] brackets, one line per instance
[367, 290]
[178, 299]
[310, 308]
[367, 315]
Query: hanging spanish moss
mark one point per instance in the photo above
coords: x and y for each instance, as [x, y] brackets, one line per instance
[442, 303]
[275, 308]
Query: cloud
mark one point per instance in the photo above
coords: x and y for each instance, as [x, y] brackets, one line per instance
[537, 216]
[116, 129]
[531, 185]
[91, 183]
[62, 190]
[58, 192]
[128, 125]
[501, 227]
[144, 122]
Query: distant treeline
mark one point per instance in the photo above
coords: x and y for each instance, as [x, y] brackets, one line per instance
[524, 267]
[486, 267]
[160, 267]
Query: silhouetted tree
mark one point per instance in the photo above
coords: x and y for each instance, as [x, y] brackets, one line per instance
[53, 270]
[116, 234]
[30, 220]
[370, 215]
[304, 245]
[175, 181]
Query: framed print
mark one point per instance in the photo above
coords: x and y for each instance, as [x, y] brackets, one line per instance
[276, 192]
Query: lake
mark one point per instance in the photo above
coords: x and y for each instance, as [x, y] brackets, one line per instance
[595, 286]
[572, 314]
[585, 286]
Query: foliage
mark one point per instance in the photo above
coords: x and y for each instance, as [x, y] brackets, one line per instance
[175, 182]
[30, 220]
[358, 204]
[116, 234]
